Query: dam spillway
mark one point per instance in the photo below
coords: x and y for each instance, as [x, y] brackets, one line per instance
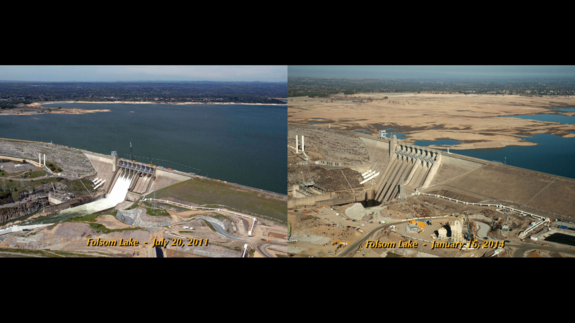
[411, 166]
[453, 175]
[119, 177]
[116, 196]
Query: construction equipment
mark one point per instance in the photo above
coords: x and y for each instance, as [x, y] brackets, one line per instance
[545, 245]
[341, 243]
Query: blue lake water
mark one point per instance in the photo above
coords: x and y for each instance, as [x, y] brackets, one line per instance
[242, 144]
[564, 109]
[554, 155]
[546, 117]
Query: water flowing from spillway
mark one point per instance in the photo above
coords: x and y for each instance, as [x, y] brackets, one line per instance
[116, 196]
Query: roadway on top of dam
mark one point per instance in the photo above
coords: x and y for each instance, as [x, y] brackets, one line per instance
[450, 154]
[459, 156]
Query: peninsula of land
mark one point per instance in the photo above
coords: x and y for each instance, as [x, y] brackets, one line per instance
[39, 104]
[39, 108]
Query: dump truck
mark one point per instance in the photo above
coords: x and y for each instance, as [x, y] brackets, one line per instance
[545, 245]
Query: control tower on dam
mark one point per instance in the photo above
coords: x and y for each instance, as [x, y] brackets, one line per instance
[143, 177]
[468, 179]
[417, 168]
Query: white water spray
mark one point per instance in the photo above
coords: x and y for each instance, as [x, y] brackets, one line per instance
[116, 196]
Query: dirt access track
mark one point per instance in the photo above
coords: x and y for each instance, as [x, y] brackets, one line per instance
[474, 120]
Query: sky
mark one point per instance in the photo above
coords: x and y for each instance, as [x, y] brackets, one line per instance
[422, 72]
[126, 73]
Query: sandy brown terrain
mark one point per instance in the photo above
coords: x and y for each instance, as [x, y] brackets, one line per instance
[40, 106]
[150, 102]
[474, 120]
[52, 110]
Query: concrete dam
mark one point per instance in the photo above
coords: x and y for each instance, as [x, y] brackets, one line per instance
[124, 181]
[410, 168]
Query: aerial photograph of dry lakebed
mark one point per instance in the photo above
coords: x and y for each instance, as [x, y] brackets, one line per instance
[143, 161]
[431, 161]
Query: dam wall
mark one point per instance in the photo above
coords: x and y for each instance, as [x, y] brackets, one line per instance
[457, 176]
[333, 198]
[132, 197]
[104, 167]
[378, 154]
[540, 193]
[452, 166]
[72, 162]
[166, 178]
[409, 165]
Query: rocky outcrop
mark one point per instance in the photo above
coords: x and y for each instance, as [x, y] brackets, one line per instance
[11, 213]
[42, 189]
[68, 204]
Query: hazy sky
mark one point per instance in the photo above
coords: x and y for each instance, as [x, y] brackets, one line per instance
[396, 71]
[143, 73]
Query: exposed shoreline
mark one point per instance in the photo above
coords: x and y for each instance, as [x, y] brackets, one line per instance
[150, 102]
[39, 105]
[472, 120]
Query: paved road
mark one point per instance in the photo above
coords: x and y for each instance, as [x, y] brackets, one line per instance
[264, 251]
[354, 245]
[223, 232]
